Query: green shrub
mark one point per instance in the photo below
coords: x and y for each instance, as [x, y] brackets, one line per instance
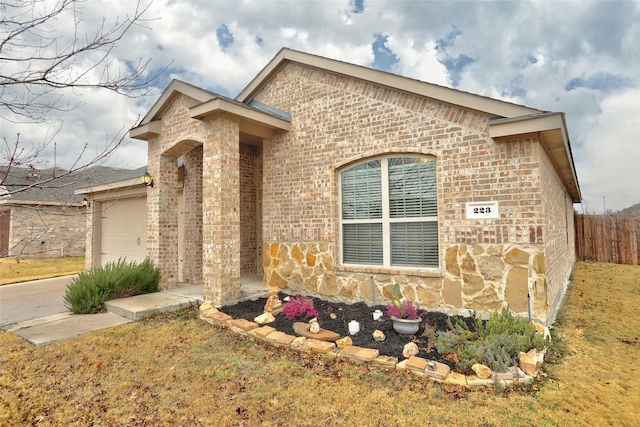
[495, 343]
[90, 290]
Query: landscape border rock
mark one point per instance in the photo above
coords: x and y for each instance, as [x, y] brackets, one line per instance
[421, 367]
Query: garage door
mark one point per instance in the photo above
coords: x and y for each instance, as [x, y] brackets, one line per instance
[124, 230]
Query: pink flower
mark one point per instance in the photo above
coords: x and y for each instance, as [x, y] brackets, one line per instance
[300, 308]
[406, 310]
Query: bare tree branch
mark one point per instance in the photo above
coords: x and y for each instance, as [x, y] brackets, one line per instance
[36, 63]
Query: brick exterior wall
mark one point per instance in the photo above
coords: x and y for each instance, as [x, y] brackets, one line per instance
[47, 231]
[275, 207]
[560, 249]
[192, 259]
[336, 120]
[249, 181]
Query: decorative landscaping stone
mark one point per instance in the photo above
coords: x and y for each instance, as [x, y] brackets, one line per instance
[481, 371]
[263, 332]
[529, 363]
[302, 328]
[516, 372]
[502, 376]
[273, 303]
[440, 372]
[456, 379]
[417, 364]
[538, 326]
[298, 342]
[359, 354]
[206, 306]
[474, 381]
[217, 317]
[280, 339]
[386, 361]
[379, 336]
[344, 342]
[410, 349]
[314, 326]
[242, 325]
[264, 318]
[318, 346]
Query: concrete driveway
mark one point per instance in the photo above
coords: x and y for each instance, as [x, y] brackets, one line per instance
[31, 300]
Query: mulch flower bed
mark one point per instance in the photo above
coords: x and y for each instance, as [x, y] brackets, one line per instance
[344, 313]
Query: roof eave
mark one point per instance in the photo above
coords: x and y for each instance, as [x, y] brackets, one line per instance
[251, 120]
[551, 130]
[444, 94]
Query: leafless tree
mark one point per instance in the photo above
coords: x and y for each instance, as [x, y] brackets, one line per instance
[39, 66]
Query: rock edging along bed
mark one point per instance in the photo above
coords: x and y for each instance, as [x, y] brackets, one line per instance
[525, 373]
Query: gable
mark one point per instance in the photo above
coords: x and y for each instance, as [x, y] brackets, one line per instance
[509, 121]
[443, 94]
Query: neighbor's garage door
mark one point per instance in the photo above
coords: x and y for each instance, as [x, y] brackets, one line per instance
[124, 230]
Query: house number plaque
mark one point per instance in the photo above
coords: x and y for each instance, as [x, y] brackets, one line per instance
[482, 210]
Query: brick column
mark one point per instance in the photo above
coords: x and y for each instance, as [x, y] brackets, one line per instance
[162, 217]
[221, 211]
[192, 268]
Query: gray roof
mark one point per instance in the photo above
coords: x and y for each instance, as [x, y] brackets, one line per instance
[61, 189]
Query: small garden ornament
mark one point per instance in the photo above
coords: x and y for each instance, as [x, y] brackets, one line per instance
[405, 314]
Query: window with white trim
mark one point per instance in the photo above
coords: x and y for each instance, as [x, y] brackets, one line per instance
[389, 212]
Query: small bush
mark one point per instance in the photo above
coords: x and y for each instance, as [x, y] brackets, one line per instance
[495, 343]
[299, 308]
[89, 291]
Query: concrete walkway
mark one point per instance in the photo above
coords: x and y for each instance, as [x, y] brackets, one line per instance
[36, 311]
[63, 325]
[30, 300]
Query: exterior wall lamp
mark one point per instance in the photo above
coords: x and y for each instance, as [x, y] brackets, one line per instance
[85, 202]
[147, 179]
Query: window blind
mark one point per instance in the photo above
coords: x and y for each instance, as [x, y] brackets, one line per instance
[414, 244]
[362, 243]
[362, 191]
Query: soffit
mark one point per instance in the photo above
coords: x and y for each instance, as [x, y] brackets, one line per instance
[551, 130]
[444, 94]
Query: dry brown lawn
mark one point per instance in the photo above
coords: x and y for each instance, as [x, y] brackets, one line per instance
[177, 370]
[20, 270]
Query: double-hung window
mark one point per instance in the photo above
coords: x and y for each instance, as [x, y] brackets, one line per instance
[389, 212]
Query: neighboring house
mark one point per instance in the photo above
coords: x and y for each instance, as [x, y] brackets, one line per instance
[338, 180]
[116, 219]
[47, 219]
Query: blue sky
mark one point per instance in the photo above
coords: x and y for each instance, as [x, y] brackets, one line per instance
[578, 57]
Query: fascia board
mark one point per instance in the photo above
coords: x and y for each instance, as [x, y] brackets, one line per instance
[146, 131]
[219, 105]
[125, 183]
[172, 90]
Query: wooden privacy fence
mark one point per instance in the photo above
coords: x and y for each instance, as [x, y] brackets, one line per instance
[608, 238]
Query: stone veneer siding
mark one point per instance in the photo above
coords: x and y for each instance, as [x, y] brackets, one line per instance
[337, 120]
[47, 231]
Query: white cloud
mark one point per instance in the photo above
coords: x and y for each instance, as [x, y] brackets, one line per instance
[523, 52]
[610, 166]
[418, 61]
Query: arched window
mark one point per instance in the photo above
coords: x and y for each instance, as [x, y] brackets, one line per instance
[389, 212]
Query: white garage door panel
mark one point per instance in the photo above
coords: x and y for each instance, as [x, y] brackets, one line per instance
[124, 230]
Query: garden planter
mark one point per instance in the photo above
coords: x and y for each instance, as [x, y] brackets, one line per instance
[406, 326]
